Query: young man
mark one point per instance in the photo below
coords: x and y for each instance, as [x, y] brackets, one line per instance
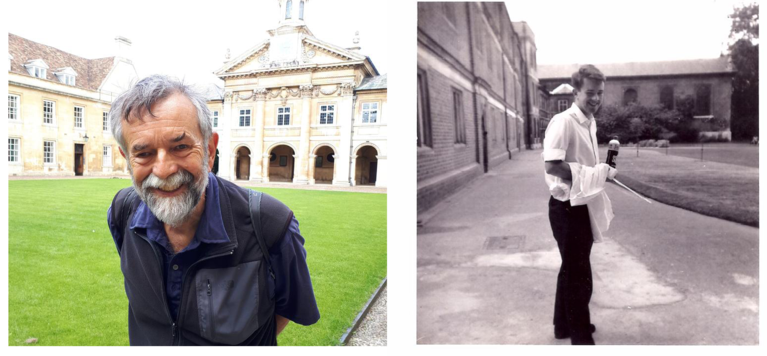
[579, 210]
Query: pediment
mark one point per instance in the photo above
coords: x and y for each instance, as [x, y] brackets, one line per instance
[313, 51]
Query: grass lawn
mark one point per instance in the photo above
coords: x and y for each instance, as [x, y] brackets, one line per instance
[721, 190]
[66, 288]
[742, 154]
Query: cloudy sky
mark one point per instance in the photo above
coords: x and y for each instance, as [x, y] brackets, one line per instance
[601, 31]
[188, 39]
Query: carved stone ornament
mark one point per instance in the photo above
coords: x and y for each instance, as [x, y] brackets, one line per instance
[260, 93]
[228, 96]
[308, 54]
[329, 92]
[306, 90]
[264, 59]
[245, 97]
[346, 89]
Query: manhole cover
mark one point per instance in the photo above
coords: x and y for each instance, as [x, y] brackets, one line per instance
[504, 242]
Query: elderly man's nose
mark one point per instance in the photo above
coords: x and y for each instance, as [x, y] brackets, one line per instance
[165, 165]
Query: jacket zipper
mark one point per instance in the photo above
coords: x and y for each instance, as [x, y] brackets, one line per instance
[183, 283]
[173, 327]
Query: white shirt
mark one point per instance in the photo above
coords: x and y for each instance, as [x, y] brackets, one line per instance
[572, 137]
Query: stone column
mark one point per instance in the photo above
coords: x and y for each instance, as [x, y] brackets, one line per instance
[312, 159]
[296, 169]
[302, 162]
[353, 174]
[225, 155]
[345, 112]
[265, 169]
[381, 173]
[258, 146]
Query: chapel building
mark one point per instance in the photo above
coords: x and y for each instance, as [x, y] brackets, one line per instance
[297, 109]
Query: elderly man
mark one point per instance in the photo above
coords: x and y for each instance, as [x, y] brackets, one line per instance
[579, 210]
[205, 262]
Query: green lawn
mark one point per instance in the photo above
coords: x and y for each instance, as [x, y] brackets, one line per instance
[66, 288]
[725, 191]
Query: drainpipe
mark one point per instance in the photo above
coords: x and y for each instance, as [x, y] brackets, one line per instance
[352, 170]
[474, 82]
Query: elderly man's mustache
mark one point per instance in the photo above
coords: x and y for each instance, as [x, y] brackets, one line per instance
[169, 184]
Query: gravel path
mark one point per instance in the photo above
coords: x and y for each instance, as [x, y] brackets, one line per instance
[372, 330]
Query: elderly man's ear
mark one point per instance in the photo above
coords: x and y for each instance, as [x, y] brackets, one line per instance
[212, 149]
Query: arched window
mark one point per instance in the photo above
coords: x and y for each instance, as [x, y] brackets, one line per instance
[301, 10]
[288, 9]
[629, 96]
[667, 97]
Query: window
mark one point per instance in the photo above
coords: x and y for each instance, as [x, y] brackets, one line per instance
[562, 105]
[13, 107]
[460, 130]
[424, 121]
[39, 72]
[629, 96]
[327, 113]
[318, 162]
[288, 8]
[283, 116]
[107, 160]
[13, 150]
[370, 113]
[105, 120]
[667, 97]
[215, 119]
[78, 117]
[49, 108]
[283, 161]
[49, 150]
[244, 117]
[703, 99]
[301, 10]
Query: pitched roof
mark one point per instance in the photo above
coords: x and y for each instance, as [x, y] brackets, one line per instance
[372, 83]
[635, 69]
[563, 88]
[90, 72]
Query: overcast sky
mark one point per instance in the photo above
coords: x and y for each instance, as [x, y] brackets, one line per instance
[188, 39]
[601, 31]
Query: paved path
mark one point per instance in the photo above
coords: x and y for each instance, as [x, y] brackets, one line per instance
[664, 276]
[372, 330]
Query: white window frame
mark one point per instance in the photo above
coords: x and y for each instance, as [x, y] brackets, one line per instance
[13, 110]
[39, 72]
[281, 116]
[106, 160]
[242, 116]
[105, 121]
[17, 150]
[324, 110]
[560, 106]
[215, 118]
[82, 117]
[53, 113]
[377, 111]
[52, 153]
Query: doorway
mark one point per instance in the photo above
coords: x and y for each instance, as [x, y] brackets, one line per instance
[79, 159]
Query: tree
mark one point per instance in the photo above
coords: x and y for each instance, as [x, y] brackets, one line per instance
[744, 53]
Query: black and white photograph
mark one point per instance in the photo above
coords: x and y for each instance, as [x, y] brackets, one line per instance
[588, 173]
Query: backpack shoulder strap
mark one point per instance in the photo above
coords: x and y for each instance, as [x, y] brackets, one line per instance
[270, 219]
[124, 204]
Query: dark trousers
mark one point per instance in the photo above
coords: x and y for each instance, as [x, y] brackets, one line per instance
[572, 230]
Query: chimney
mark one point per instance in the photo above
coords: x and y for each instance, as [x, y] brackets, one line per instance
[123, 47]
[356, 47]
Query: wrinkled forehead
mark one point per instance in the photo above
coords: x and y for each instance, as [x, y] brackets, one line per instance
[167, 118]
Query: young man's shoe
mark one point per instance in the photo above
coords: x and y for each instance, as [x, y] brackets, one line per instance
[564, 333]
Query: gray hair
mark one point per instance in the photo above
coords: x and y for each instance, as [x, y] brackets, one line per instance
[148, 91]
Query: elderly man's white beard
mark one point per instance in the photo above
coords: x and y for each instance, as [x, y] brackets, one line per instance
[175, 210]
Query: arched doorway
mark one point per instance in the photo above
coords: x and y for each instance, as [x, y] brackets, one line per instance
[242, 164]
[281, 163]
[324, 165]
[366, 167]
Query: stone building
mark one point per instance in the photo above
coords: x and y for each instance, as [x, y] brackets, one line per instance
[297, 109]
[708, 81]
[57, 109]
[477, 90]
